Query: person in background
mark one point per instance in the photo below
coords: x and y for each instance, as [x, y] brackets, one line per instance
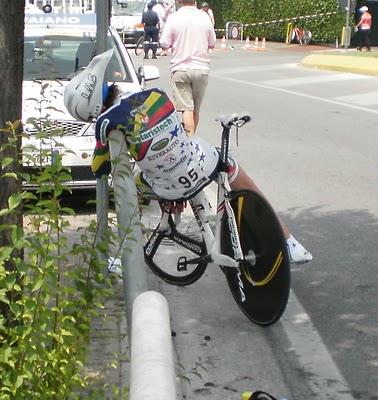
[364, 26]
[206, 8]
[150, 20]
[190, 35]
[161, 12]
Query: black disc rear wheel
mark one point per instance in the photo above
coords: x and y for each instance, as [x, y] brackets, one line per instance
[260, 290]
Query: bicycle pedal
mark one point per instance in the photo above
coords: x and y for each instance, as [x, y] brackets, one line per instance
[182, 264]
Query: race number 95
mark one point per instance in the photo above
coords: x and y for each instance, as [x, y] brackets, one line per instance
[188, 180]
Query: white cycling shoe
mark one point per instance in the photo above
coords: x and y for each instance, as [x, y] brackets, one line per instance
[115, 266]
[297, 253]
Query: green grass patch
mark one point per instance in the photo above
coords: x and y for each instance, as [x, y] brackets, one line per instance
[353, 53]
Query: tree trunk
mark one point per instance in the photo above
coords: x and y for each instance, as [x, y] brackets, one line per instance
[11, 62]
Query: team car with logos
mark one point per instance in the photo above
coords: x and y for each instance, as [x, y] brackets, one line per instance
[56, 46]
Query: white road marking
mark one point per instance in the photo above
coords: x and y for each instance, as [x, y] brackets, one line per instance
[255, 68]
[365, 99]
[293, 92]
[313, 79]
[325, 378]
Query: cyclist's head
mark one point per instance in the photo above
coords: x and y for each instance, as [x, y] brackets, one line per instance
[86, 93]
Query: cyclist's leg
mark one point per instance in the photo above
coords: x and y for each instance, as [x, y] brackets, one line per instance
[297, 252]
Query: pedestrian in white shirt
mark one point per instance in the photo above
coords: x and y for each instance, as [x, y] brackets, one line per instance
[206, 8]
[190, 34]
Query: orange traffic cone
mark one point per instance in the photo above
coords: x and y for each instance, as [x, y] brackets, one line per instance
[224, 45]
[256, 43]
[263, 44]
[247, 44]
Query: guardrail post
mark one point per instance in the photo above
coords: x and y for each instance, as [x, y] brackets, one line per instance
[347, 30]
[129, 225]
[152, 367]
[289, 32]
[102, 187]
[102, 207]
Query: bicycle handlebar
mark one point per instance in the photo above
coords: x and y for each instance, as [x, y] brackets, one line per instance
[234, 119]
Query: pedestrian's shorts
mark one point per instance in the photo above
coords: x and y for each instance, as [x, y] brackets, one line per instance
[189, 88]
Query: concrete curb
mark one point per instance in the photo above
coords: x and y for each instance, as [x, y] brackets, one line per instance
[358, 65]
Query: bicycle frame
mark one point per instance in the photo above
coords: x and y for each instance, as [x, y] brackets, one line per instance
[201, 210]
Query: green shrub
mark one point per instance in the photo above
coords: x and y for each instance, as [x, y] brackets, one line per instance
[51, 289]
[325, 28]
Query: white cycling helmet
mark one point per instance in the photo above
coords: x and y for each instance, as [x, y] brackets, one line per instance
[83, 96]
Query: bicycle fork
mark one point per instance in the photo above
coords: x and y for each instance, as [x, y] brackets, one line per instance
[200, 209]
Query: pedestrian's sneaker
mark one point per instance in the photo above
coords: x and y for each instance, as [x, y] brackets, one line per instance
[115, 266]
[297, 253]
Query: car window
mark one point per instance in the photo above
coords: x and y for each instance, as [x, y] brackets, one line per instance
[123, 7]
[52, 57]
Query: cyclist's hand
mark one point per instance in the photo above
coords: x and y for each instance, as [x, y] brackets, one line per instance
[175, 207]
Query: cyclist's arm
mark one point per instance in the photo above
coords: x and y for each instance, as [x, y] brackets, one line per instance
[101, 155]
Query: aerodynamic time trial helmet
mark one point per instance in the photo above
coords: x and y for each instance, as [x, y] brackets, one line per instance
[86, 92]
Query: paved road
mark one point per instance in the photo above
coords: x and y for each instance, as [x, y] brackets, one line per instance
[313, 149]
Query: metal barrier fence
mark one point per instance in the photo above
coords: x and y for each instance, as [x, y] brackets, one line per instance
[235, 30]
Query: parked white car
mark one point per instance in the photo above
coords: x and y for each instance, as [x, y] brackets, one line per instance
[56, 47]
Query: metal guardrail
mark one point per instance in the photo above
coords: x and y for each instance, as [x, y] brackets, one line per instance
[242, 25]
[147, 312]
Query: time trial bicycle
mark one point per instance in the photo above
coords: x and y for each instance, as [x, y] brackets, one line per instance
[247, 243]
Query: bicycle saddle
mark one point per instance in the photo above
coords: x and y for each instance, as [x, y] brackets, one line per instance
[236, 119]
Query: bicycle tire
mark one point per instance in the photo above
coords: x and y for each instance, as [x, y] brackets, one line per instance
[139, 46]
[306, 37]
[163, 250]
[260, 231]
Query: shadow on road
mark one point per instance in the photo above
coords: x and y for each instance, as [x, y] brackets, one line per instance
[337, 289]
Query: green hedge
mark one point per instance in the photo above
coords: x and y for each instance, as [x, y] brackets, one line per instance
[325, 28]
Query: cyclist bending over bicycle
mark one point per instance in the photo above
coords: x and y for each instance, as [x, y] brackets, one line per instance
[172, 165]
[300, 35]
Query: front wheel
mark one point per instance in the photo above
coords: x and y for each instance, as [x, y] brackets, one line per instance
[261, 290]
[305, 38]
[177, 258]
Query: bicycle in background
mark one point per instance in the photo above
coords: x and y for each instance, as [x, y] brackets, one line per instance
[299, 35]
